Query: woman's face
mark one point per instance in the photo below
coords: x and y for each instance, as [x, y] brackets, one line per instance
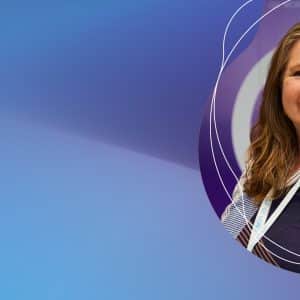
[291, 86]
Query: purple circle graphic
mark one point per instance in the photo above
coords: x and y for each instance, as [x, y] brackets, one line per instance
[229, 85]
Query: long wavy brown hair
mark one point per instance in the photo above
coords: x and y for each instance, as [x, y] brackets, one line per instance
[274, 145]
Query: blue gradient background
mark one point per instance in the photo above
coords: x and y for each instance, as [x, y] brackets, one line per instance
[101, 196]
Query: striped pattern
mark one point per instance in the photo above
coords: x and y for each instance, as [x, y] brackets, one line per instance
[240, 211]
[238, 214]
[236, 217]
[259, 249]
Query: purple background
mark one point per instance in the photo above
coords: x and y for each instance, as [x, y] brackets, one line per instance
[101, 196]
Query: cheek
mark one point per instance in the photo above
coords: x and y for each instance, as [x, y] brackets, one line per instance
[291, 95]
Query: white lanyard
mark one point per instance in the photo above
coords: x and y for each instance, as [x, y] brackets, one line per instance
[260, 226]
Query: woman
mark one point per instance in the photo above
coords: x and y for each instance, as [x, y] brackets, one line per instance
[265, 213]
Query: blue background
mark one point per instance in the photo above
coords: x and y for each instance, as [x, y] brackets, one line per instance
[101, 195]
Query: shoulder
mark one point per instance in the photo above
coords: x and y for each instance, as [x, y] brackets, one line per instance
[241, 209]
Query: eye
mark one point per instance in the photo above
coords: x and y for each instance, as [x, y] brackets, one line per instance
[297, 73]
